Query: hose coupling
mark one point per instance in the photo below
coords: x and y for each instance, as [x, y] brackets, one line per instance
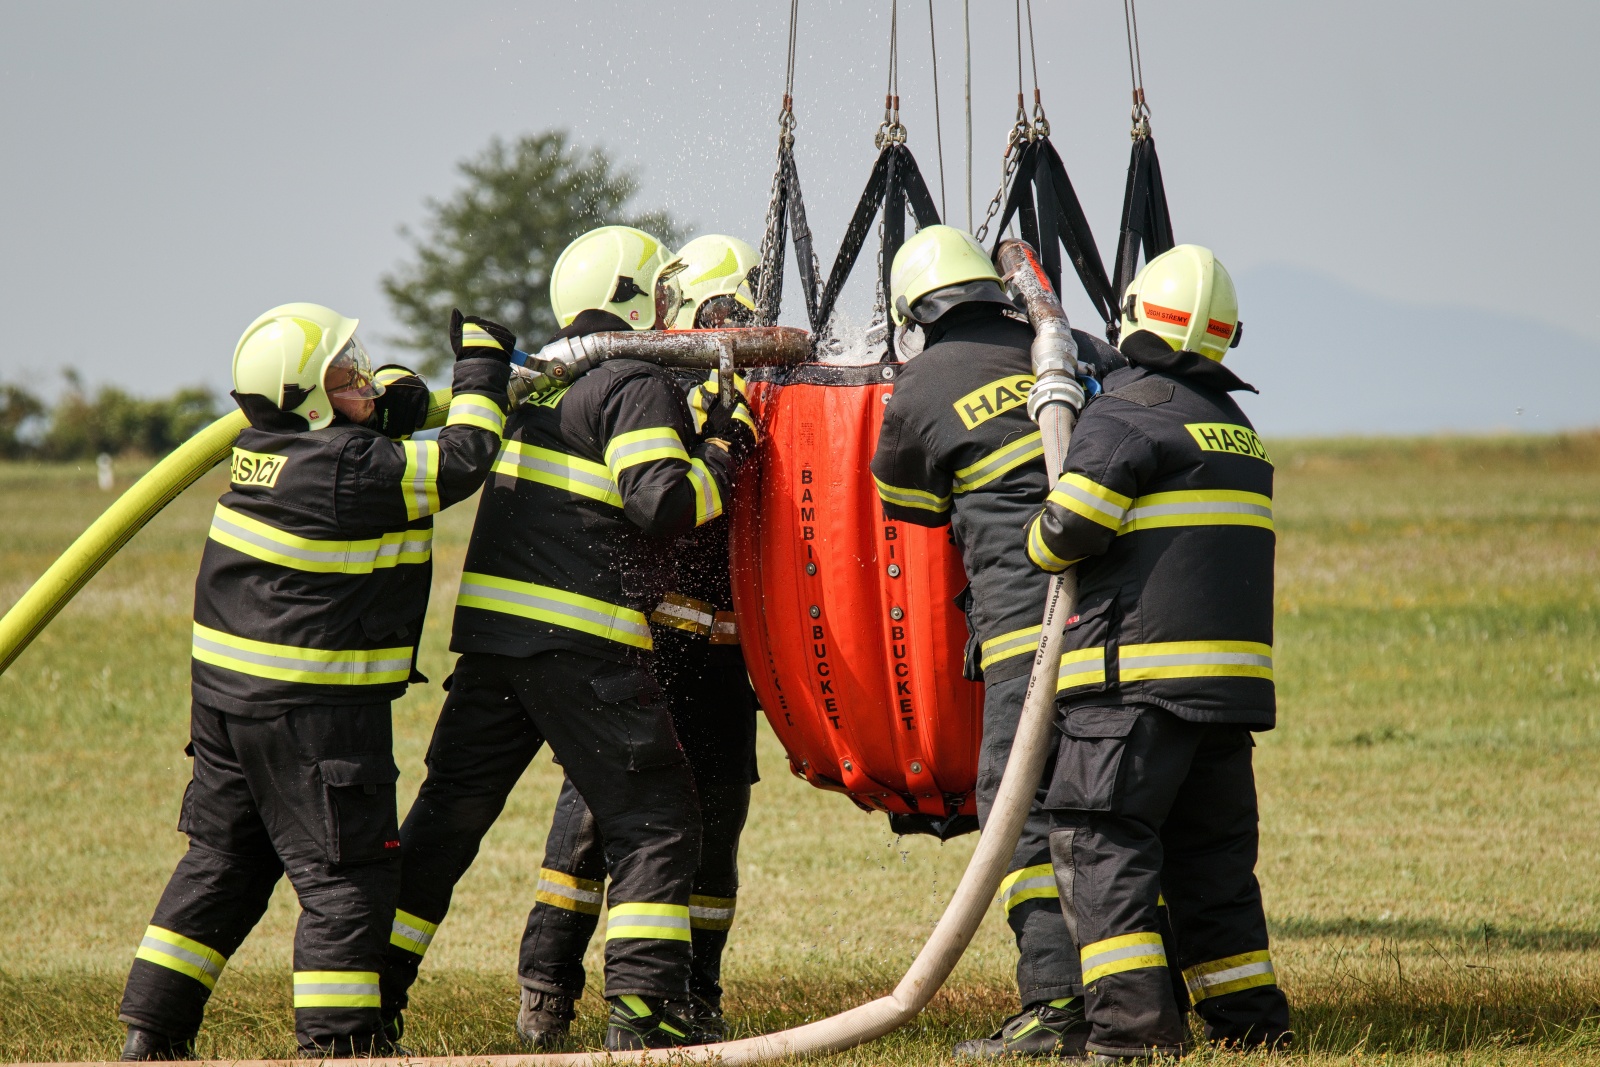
[1054, 349]
[1055, 387]
[566, 360]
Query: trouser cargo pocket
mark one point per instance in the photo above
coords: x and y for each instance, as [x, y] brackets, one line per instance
[1089, 758]
[362, 824]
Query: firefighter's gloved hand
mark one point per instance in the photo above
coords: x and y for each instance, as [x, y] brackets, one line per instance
[472, 337]
[704, 396]
[403, 407]
[731, 428]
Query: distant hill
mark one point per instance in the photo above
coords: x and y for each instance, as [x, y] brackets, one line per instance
[1331, 360]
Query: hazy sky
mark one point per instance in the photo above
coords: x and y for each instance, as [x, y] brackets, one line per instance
[172, 169]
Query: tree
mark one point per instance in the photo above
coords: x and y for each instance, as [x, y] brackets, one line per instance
[20, 412]
[488, 249]
[114, 421]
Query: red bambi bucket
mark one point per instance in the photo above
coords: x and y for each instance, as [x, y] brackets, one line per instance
[848, 620]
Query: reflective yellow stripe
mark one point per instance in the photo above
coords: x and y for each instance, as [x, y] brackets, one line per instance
[269, 544]
[1244, 971]
[470, 409]
[412, 932]
[1030, 883]
[1040, 553]
[390, 375]
[164, 948]
[1129, 952]
[662, 922]
[707, 497]
[1195, 659]
[557, 607]
[475, 336]
[559, 470]
[1086, 666]
[711, 913]
[642, 446]
[910, 498]
[336, 989]
[1016, 643]
[291, 663]
[569, 892]
[1198, 507]
[1091, 500]
[998, 462]
[420, 484]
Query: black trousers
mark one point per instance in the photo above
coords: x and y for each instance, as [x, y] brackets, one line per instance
[310, 793]
[615, 739]
[1047, 960]
[714, 711]
[1148, 804]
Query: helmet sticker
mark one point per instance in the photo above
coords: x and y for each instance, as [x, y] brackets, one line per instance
[1219, 329]
[1165, 314]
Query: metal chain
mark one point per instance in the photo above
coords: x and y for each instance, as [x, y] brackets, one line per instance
[1021, 133]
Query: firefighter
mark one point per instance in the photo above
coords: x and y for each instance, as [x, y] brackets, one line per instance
[570, 553]
[713, 708]
[957, 447]
[1166, 508]
[307, 612]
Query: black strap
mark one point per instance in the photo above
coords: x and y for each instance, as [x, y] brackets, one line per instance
[1051, 219]
[789, 216]
[895, 184]
[1145, 221]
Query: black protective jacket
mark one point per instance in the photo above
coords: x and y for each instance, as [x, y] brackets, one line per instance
[1167, 502]
[957, 447]
[316, 572]
[573, 544]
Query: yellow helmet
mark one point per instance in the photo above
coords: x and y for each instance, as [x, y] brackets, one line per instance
[297, 355]
[615, 269]
[1187, 298]
[940, 257]
[714, 266]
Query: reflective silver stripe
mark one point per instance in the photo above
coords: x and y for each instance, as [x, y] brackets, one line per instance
[377, 666]
[227, 525]
[1216, 507]
[590, 618]
[625, 445]
[673, 922]
[556, 889]
[1089, 500]
[1022, 885]
[349, 989]
[707, 498]
[1007, 645]
[411, 933]
[193, 959]
[562, 471]
[1195, 659]
[998, 462]
[697, 912]
[421, 488]
[1094, 958]
[1202, 982]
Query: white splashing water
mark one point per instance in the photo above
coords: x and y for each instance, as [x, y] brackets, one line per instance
[858, 345]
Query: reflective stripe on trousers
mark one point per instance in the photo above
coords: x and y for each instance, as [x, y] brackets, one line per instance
[411, 932]
[171, 950]
[1016, 643]
[1229, 975]
[663, 922]
[711, 913]
[335, 989]
[562, 890]
[546, 604]
[291, 663]
[1128, 952]
[1030, 883]
[269, 544]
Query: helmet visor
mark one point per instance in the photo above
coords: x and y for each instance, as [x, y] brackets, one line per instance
[724, 310]
[669, 295]
[349, 374]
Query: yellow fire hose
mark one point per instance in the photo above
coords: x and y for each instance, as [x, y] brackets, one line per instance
[105, 537]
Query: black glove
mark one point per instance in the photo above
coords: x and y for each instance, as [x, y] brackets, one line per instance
[472, 337]
[731, 427]
[403, 407]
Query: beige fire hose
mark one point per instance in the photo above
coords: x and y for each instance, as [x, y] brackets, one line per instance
[1054, 357]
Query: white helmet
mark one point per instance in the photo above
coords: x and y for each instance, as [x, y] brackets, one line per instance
[616, 269]
[715, 266]
[300, 355]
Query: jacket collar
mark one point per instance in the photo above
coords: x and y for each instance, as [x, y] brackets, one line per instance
[593, 320]
[1145, 349]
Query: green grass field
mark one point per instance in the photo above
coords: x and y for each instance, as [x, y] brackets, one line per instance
[1430, 804]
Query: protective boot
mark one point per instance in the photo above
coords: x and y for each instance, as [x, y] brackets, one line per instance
[706, 1016]
[1054, 1029]
[149, 1045]
[638, 1022]
[544, 1019]
[362, 1046]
